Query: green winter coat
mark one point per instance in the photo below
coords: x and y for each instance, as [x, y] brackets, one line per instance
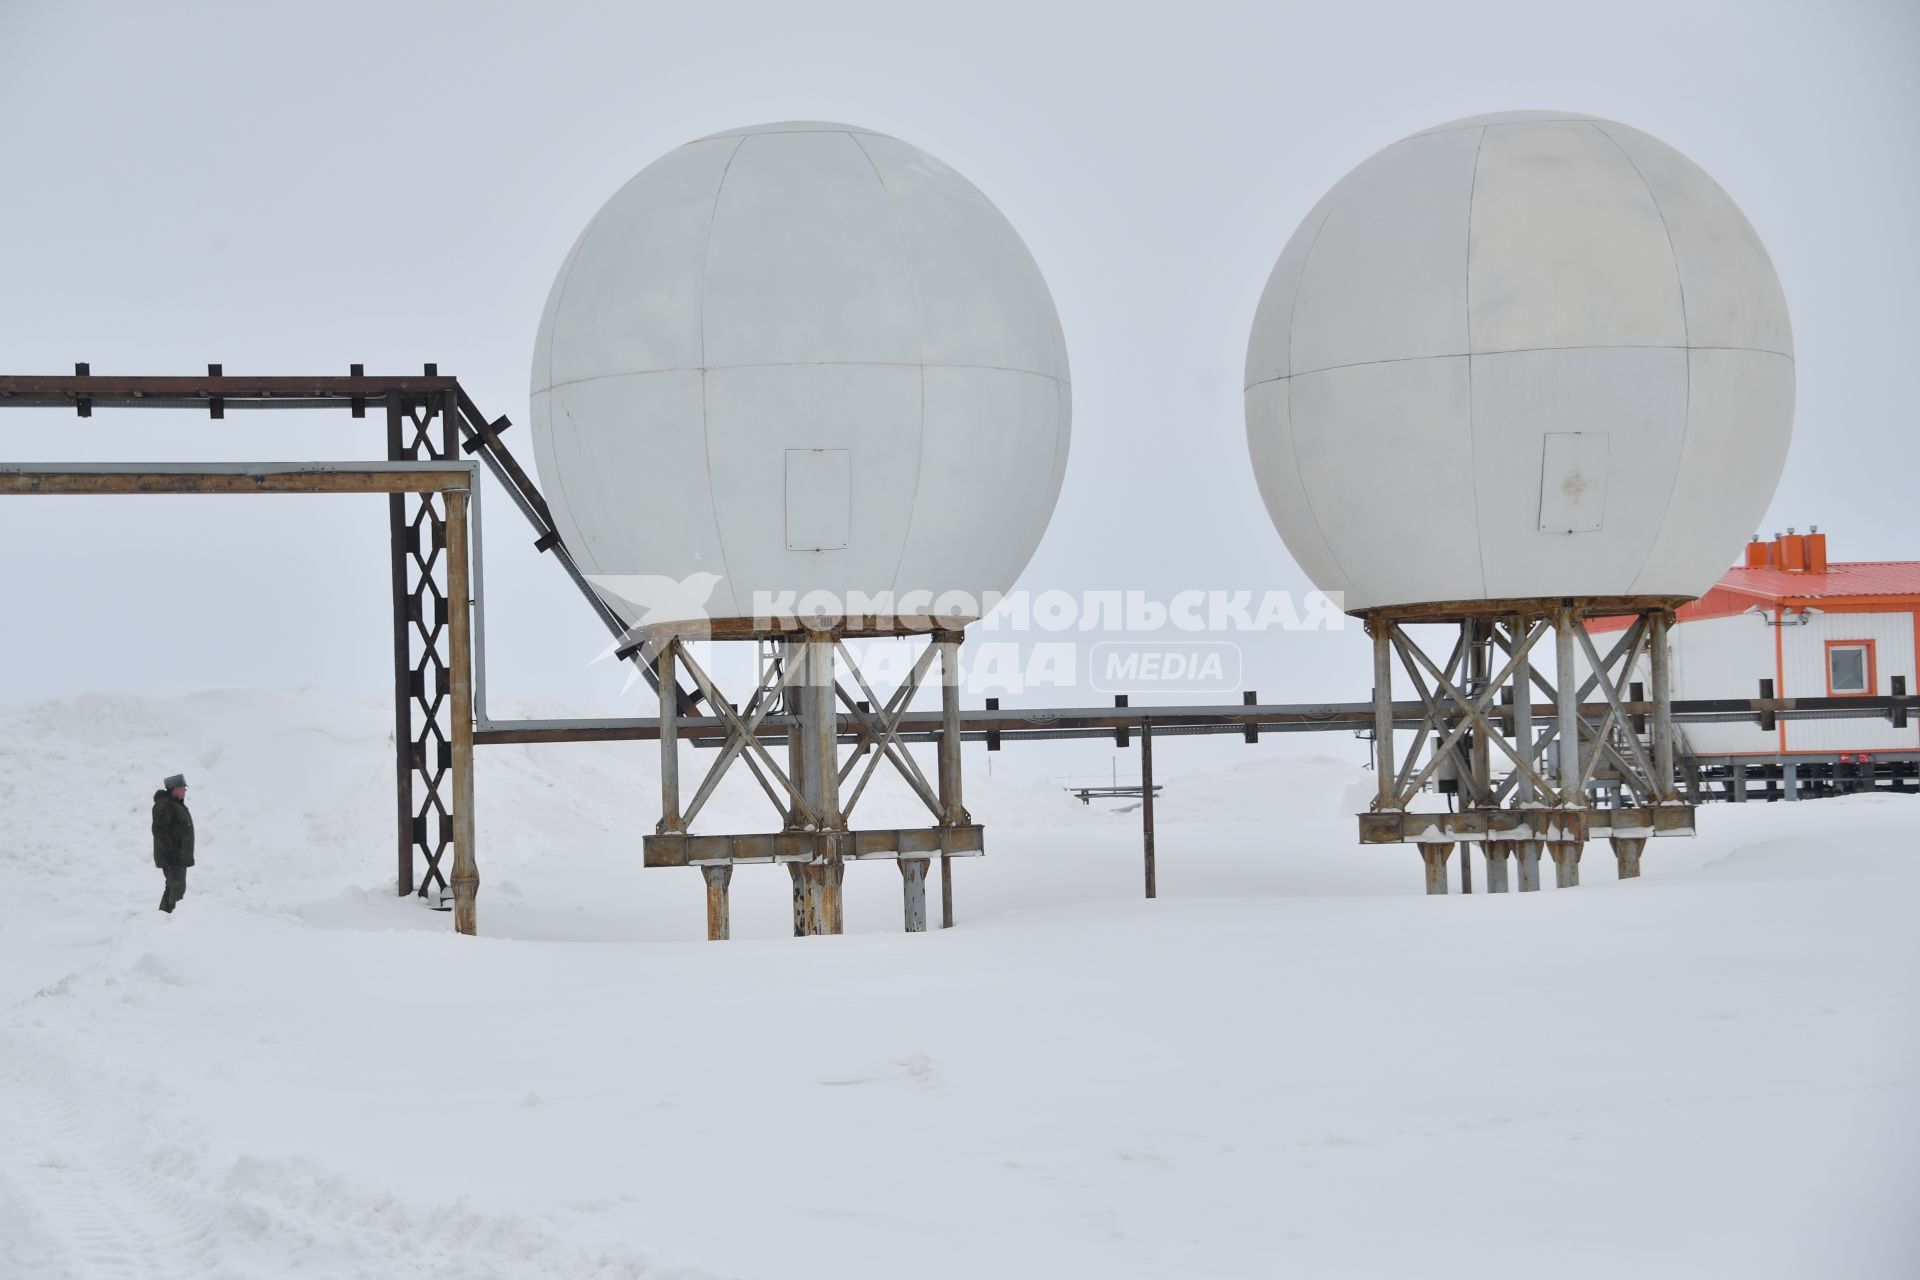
[172, 831]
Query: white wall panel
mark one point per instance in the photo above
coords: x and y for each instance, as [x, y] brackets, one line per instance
[1805, 654]
[1724, 658]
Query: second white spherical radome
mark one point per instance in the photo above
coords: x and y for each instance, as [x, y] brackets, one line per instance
[1521, 356]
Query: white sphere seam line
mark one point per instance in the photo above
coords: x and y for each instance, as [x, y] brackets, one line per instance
[1513, 351]
[1466, 295]
[1293, 440]
[1686, 328]
[706, 431]
[920, 337]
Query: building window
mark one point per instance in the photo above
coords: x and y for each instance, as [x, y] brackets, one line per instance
[1849, 667]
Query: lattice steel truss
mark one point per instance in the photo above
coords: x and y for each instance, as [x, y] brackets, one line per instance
[794, 702]
[421, 429]
[1481, 721]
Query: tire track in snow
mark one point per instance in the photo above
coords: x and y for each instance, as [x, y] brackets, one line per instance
[89, 1176]
[119, 1212]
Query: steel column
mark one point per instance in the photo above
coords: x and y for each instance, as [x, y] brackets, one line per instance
[719, 906]
[1498, 851]
[913, 888]
[793, 654]
[820, 786]
[1382, 631]
[1566, 862]
[1568, 705]
[667, 666]
[953, 811]
[1626, 853]
[466, 874]
[1146, 807]
[1478, 640]
[1526, 857]
[421, 429]
[402, 662]
[1522, 715]
[1434, 855]
[1662, 707]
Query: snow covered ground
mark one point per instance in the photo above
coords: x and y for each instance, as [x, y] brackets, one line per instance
[1293, 1063]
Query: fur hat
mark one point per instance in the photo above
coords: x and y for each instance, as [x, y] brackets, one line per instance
[177, 780]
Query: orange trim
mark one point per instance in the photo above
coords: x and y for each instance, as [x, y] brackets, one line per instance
[1873, 669]
[1853, 604]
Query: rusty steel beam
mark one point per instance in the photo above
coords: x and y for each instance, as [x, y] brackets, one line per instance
[1480, 826]
[233, 391]
[157, 478]
[1450, 612]
[1061, 722]
[800, 847]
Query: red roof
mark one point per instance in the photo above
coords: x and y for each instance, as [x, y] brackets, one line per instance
[1859, 578]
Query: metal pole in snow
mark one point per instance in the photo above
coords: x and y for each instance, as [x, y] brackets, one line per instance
[1146, 801]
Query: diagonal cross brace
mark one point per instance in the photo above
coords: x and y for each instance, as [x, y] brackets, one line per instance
[1475, 709]
[897, 752]
[886, 733]
[1615, 712]
[1625, 644]
[1428, 717]
[742, 737]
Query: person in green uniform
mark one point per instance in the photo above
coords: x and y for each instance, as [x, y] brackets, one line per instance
[172, 838]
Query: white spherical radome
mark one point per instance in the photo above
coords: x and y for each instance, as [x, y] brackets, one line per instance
[799, 358]
[1516, 357]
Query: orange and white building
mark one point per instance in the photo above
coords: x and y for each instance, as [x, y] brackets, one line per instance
[1816, 628]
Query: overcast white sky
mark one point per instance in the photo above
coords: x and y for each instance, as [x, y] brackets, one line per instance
[291, 189]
